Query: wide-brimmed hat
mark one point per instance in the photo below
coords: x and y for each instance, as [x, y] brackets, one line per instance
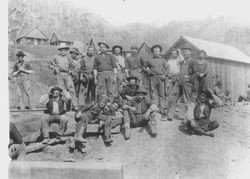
[56, 88]
[63, 46]
[187, 47]
[134, 47]
[155, 46]
[202, 51]
[74, 50]
[103, 97]
[142, 89]
[20, 53]
[102, 43]
[117, 46]
[132, 77]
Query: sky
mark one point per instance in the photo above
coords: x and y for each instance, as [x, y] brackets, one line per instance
[160, 12]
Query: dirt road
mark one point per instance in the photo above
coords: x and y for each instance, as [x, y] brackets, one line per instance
[172, 154]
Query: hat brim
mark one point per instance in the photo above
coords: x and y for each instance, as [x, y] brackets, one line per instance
[156, 46]
[56, 89]
[20, 55]
[74, 52]
[99, 44]
[117, 46]
[132, 77]
[60, 48]
[187, 48]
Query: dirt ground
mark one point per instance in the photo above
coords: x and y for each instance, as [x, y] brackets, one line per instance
[172, 154]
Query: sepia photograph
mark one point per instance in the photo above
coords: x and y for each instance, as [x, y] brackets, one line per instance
[127, 89]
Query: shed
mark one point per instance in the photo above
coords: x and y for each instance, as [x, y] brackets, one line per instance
[229, 63]
[57, 39]
[33, 37]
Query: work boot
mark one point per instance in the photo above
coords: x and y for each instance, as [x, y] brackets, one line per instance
[127, 131]
[45, 140]
[79, 134]
[108, 140]
[153, 127]
[210, 134]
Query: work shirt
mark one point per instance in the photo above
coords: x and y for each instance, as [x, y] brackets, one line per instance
[202, 66]
[120, 62]
[87, 64]
[188, 67]
[141, 107]
[63, 63]
[134, 62]
[25, 65]
[174, 66]
[157, 66]
[55, 107]
[129, 90]
[104, 61]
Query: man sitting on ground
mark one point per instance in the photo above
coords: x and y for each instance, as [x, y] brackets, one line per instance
[56, 101]
[140, 112]
[198, 113]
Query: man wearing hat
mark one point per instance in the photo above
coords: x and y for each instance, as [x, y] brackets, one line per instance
[120, 63]
[56, 101]
[75, 70]
[183, 84]
[62, 67]
[202, 71]
[87, 114]
[87, 74]
[128, 92]
[140, 112]
[105, 70]
[157, 71]
[198, 113]
[134, 64]
[21, 73]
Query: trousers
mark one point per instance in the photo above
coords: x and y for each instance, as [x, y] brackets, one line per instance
[157, 90]
[23, 90]
[106, 82]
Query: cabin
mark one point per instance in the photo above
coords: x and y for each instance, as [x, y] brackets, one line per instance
[34, 37]
[229, 63]
[57, 39]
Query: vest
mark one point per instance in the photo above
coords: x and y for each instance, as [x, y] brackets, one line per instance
[50, 106]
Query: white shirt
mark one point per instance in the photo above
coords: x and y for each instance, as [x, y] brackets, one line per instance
[174, 66]
[120, 62]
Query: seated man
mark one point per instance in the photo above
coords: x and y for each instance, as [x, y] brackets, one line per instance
[245, 98]
[198, 113]
[89, 113]
[56, 101]
[140, 112]
[16, 145]
[227, 98]
[127, 92]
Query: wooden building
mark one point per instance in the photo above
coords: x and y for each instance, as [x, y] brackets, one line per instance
[34, 37]
[57, 39]
[230, 64]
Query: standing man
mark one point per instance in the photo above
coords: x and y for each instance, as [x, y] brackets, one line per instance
[21, 72]
[134, 64]
[181, 75]
[56, 103]
[120, 63]
[87, 74]
[157, 70]
[105, 71]
[76, 65]
[202, 71]
[62, 66]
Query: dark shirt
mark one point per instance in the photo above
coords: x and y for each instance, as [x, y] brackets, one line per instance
[87, 64]
[128, 90]
[18, 65]
[202, 66]
[104, 62]
[189, 67]
[134, 62]
[157, 66]
[141, 107]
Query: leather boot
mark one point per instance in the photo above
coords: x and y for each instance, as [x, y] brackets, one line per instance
[127, 131]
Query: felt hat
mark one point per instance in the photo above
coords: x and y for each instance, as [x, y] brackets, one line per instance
[187, 47]
[56, 88]
[202, 51]
[134, 47]
[103, 97]
[20, 53]
[117, 46]
[155, 46]
[102, 43]
[142, 89]
[132, 77]
[74, 50]
[63, 46]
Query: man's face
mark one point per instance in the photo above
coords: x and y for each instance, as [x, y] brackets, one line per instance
[203, 97]
[103, 48]
[20, 58]
[132, 81]
[55, 93]
[134, 51]
[115, 106]
[201, 55]
[102, 103]
[117, 51]
[63, 52]
[90, 51]
[174, 54]
[73, 56]
[140, 97]
[157, 52]
[187, 53]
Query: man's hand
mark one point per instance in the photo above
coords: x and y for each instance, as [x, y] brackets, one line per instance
[96, 81]
[163, 77]
[133, 109]
[148, 70]
[81, 77]
[147, 115]
[56, 71]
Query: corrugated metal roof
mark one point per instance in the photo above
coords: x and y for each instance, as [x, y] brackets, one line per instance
[35, 33]
[218, 50]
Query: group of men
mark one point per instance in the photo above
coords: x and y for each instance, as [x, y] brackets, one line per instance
[129, 91]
